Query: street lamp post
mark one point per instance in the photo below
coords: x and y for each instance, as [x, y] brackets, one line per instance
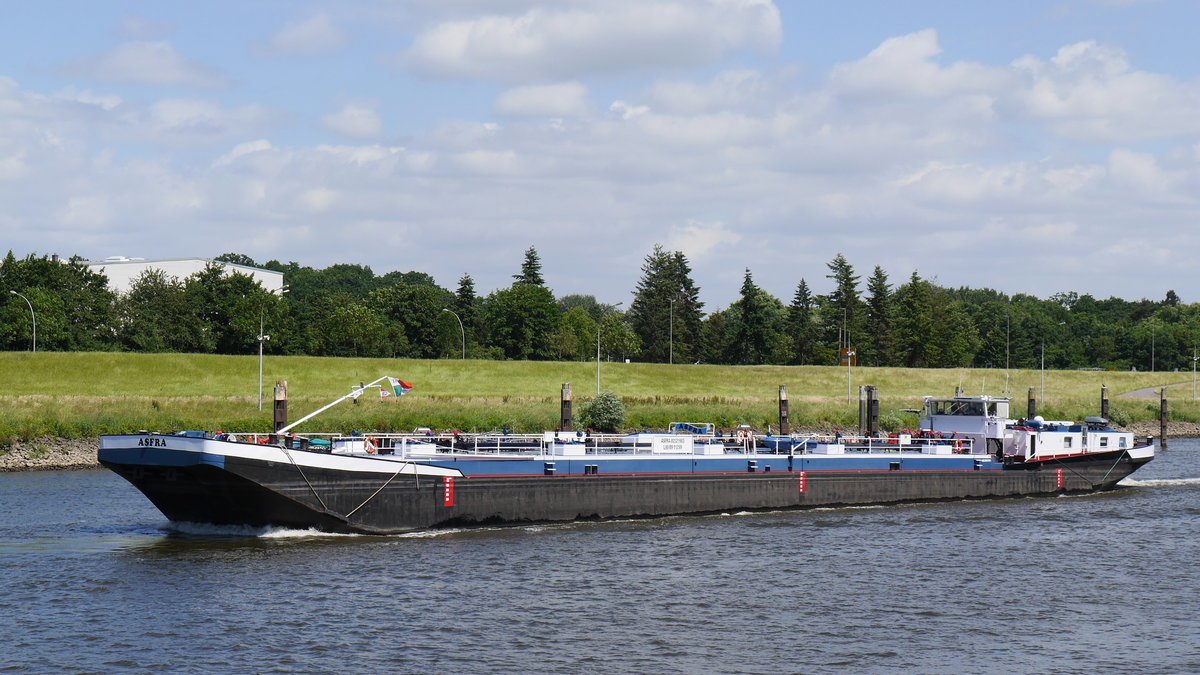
[31, 315]
[261, 339]
[598, 351]
[464, 333]
[671, 332]
[1043, 394]
[1007, 345]
[1152, 327]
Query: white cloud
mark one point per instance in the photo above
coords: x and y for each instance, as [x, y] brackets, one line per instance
[907, 66]
[571, 41]
[961, 169]
[566, 99]
[192, 121]
[729, 90]
[85, 212]
[1089, 92]
[313, 35]
[135, 27]
[242, 149]
[699, 241]
[357, 120]
[155, 63]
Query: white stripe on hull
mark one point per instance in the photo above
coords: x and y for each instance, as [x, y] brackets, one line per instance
[386, 464]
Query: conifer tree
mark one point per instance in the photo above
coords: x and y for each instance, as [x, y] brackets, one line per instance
[912, 322]
[531, 269]
[666, 311]
[753, 336]
[801, 328]
[875, 350]
[842, 310]
[468, 307]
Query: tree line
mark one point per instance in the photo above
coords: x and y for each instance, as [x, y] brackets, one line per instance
[348, 310]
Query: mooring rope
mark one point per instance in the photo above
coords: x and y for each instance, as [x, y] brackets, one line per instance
[306, 481]
[1120, 457]
[381, 487]
[1085, 478]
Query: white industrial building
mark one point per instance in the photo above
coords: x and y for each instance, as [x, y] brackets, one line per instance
[122, 271]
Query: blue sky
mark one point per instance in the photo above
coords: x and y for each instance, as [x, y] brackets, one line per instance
[1031, 147]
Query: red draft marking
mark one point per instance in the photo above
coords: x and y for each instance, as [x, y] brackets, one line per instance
[802, 481]
[448, 491]
[1059, 478]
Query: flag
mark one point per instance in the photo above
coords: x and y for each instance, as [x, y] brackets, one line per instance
[384, 393]
[400, 387]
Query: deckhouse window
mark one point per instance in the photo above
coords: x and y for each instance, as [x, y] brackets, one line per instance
[1104, 441]
[958, 408]
[1067, 441]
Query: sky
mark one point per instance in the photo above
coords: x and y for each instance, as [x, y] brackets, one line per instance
[1030, 147]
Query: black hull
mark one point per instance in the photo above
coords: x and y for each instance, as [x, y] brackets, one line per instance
[259, 493]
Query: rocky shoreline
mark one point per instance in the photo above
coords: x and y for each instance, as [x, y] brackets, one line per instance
[57, 454]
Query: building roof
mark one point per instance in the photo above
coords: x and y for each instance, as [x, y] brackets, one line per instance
[122, 271]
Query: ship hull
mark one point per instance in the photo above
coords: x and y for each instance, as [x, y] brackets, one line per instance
[204, 482]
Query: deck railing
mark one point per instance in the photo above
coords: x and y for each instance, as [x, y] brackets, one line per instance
[418, 445]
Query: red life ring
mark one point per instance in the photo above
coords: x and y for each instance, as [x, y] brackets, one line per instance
[958, 445]
[369, 443]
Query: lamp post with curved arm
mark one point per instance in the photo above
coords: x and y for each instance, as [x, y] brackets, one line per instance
[263, 337]
[32, 315]
[463, 330]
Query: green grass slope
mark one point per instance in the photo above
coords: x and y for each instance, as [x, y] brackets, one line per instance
[84, 394]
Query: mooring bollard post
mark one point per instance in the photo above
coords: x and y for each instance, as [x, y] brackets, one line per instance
[785, 427]
[872, 410]
[1162, 418]
[1104, 402]
[280, 404]
[565, 417]
[1032, 403]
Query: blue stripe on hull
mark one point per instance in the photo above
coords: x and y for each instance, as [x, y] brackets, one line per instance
[523, 466]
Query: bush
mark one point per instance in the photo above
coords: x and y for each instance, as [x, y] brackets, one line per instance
[1120, 418]
[604, 413]
[891, 422]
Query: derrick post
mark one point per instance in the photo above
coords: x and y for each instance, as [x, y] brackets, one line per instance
[785, 427]
[1104, 402]
[564, 423]
[281, 419]
[1032, 403]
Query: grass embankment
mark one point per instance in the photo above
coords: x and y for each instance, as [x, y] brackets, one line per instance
[73, 395]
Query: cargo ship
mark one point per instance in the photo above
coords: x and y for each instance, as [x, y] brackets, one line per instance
[963, 448]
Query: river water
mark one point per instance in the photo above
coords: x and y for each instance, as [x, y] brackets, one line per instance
[94, 579]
